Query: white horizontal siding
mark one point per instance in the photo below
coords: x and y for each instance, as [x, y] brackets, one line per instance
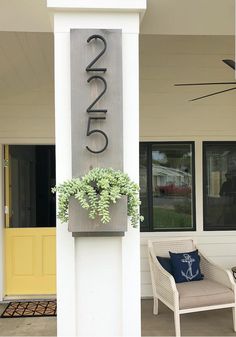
[144, 264]
[220, 247]
[26, 88]
[22, 122]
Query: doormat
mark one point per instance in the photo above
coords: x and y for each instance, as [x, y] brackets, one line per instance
[30, 309]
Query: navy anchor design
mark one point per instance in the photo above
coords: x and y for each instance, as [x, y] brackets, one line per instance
[189, 273]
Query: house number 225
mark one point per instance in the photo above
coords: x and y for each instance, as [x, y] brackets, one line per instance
[93, 113]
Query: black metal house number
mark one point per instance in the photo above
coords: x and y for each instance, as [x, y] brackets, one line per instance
[93, 113]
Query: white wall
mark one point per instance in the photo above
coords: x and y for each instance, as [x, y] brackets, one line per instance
[26, 87]
[167, 115]
[21, 123]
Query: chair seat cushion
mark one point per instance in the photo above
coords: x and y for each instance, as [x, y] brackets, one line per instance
[203, 293]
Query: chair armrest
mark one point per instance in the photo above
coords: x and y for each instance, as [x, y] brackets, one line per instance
[163, 283]
[216, 273]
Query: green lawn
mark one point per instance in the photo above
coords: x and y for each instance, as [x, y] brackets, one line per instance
[168, 219]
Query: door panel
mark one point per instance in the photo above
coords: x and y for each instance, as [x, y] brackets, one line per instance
[30, 261]
[49, 259]
[22, 257]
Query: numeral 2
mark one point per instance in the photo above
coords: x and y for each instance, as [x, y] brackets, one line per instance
[89, 109]
[89, 67]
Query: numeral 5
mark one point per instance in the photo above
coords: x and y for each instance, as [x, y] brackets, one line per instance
[90, 132]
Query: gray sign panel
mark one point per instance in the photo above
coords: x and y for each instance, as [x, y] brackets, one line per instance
[96, 99]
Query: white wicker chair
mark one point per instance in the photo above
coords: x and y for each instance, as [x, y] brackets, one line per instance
[216, 291]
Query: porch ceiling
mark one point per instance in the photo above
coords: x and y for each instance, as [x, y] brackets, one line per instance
[182, 17]
[165, 110]
[189, 17]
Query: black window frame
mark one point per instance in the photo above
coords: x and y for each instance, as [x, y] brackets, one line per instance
[149, 227]
[204, 174]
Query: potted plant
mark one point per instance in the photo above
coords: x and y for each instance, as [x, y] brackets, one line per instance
[99, 202]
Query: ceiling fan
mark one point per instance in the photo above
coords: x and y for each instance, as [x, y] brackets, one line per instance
[229, 63]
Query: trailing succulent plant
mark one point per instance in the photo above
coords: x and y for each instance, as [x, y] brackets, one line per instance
[95, 191]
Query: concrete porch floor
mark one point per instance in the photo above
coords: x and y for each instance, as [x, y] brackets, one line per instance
[30, 326]
[209, 323]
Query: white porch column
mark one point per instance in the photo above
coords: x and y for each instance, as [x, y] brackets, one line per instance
[98, 279]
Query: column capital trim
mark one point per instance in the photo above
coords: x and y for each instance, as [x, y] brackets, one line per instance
[98, 5]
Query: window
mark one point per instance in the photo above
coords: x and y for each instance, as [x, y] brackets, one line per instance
[166, 186]
[219, 185]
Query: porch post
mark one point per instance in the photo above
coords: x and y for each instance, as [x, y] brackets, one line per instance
[98, 279]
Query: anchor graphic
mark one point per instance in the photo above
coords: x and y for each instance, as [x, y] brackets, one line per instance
[189, 273]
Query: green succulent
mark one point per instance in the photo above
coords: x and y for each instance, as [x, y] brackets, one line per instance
[95, 191]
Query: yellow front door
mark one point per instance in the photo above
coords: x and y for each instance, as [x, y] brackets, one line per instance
[30, 261]
[30, 234]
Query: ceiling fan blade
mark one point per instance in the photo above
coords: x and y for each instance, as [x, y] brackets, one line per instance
[230, 63]
[204, 83]
[214, 93]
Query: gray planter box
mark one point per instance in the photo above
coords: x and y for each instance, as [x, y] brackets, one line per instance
[81, 225]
